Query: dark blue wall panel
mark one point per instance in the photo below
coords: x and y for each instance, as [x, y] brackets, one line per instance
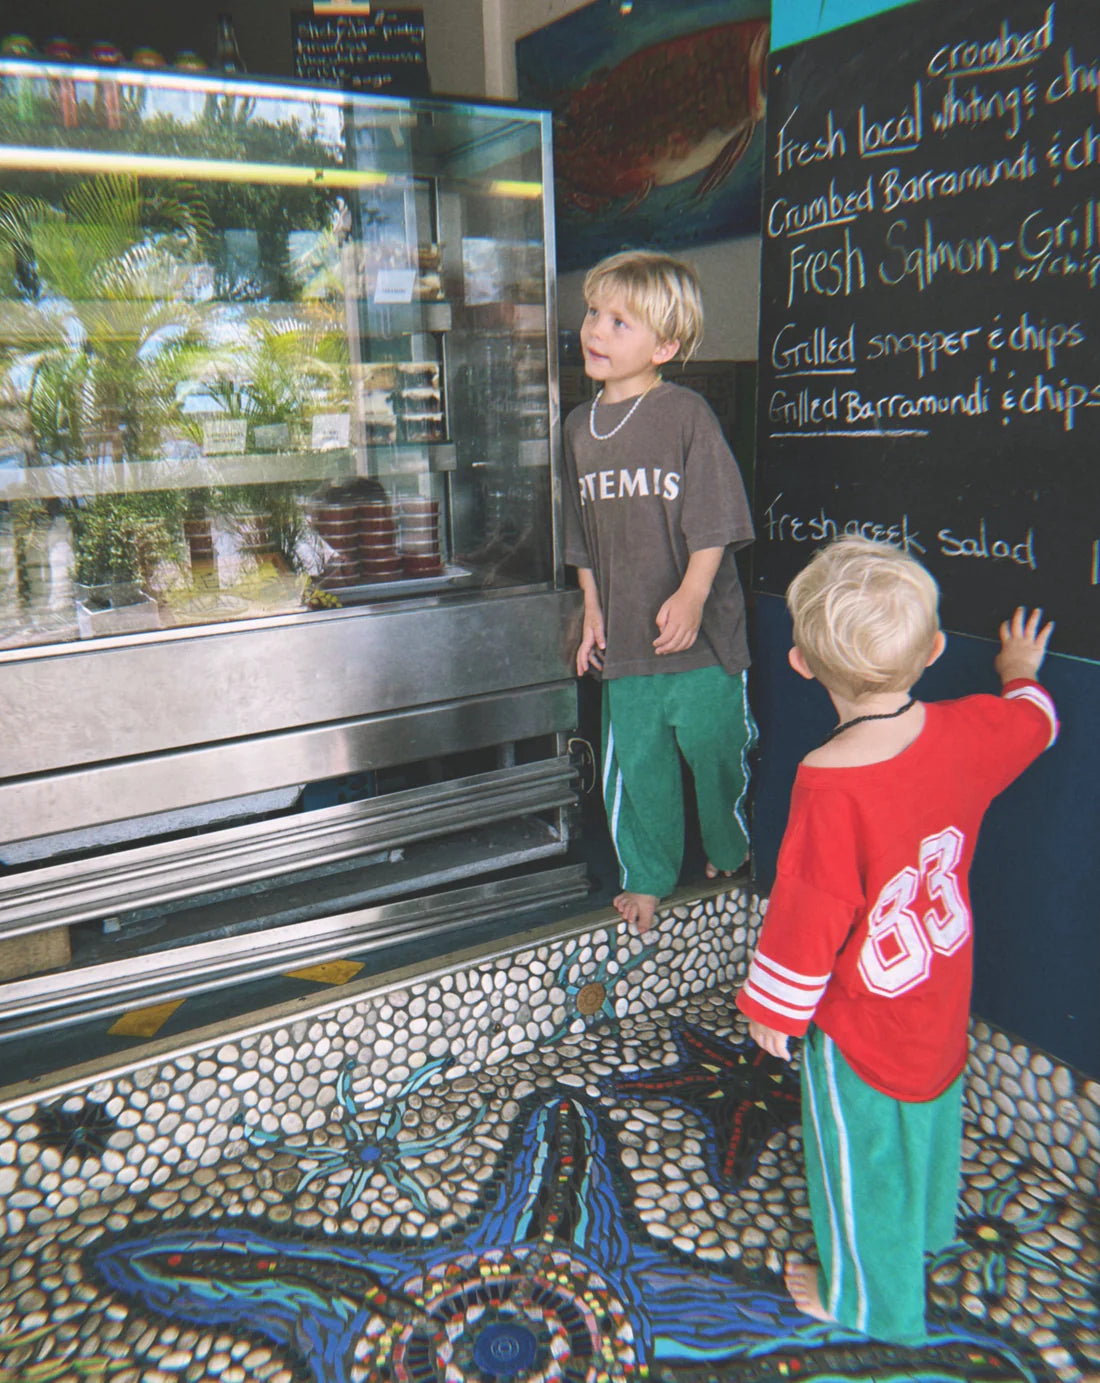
[1036, 877]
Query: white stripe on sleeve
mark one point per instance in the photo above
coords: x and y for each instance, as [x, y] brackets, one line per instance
[811, 981]
[766, 987]
[1038, 697]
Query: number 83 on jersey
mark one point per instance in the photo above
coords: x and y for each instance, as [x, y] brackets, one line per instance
[897, 954]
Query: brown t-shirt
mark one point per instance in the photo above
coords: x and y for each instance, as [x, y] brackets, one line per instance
[637, 505]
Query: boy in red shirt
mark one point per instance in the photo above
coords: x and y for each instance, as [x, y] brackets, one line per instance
[866, 945]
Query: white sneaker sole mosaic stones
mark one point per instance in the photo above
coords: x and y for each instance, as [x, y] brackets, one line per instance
[564, 1163]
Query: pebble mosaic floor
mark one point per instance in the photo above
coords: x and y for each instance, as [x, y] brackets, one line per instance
[564, 1163]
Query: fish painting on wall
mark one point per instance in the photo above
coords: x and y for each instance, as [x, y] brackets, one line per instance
[658, 121]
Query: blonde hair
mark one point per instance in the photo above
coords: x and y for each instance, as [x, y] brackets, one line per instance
[663, 292]
[865, 617]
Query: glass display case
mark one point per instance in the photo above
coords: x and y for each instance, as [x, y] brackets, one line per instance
[263, 350]
[278, 496]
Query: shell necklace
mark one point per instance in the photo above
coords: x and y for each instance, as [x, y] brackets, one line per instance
[603, 436]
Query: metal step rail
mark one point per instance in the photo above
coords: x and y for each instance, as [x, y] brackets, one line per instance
[44, 1002]
[164, 871]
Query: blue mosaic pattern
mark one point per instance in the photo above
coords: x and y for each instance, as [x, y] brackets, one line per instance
[547, 1282]
[566, 1164]
[366, 1150]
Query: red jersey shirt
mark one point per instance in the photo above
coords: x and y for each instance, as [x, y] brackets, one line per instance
[868, 929]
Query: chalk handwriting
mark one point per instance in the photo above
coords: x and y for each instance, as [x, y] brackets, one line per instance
[1007, 50]
[783, 526]
[905, 406]
[819, 353]
[826, 273]
[1062, 248]
[900, 189]
[822, 527]
[797, 153]
[849, 408]
[995, 549]
[1042, 396]
[339, 60]
[830, 208]
[1026, 335]
[1075, 79]
[804, 409]
[1016, 104]
[897, 134]
[353, 31]
[798, 351]
[925, 261]
[927, 346]
[1077, 151]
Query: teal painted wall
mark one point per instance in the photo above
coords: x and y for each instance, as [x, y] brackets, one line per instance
[795, 20]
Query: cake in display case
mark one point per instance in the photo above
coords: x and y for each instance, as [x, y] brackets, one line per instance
[265, 350]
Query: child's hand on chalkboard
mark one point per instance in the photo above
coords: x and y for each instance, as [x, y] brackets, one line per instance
[1023, 645]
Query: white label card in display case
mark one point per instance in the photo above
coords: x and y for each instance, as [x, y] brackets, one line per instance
[394, 285]
[224, 436]
[271, 437]
[330, 430]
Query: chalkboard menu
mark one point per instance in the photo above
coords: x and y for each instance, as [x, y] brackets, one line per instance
[930, 341]
[382, 51]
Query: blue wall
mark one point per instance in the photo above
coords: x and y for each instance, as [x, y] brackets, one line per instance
[1036, 878]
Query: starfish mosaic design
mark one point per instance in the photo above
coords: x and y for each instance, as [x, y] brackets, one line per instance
[999, 1238]
[548, 1286]
[1004, 1256]
[740, 1091]
[82, 1131]
[378, 1149]
[589, 993]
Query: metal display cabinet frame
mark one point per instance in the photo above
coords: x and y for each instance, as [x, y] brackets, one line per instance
[140, 767]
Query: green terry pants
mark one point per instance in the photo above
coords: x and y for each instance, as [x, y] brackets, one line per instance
[883, 1178]
[647, 723]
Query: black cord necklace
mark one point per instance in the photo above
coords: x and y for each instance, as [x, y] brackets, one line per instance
[859, 720]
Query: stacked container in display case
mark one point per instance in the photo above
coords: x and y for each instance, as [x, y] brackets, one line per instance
[277, 496]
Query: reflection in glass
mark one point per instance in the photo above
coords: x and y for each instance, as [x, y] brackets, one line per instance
[263, 350]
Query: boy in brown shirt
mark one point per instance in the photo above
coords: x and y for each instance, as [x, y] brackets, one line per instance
[655, 509]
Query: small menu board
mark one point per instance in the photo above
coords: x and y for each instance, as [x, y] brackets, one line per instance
[377, 50]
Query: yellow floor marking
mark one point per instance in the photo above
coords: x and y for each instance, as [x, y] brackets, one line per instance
[328, 972]
[144, 1022]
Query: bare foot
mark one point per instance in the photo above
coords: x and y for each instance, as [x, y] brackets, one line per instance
[637, 909]
[713, 872]
[805, 1289]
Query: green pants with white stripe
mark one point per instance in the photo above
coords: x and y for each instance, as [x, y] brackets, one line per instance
[883, 1178]
[647, 723]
